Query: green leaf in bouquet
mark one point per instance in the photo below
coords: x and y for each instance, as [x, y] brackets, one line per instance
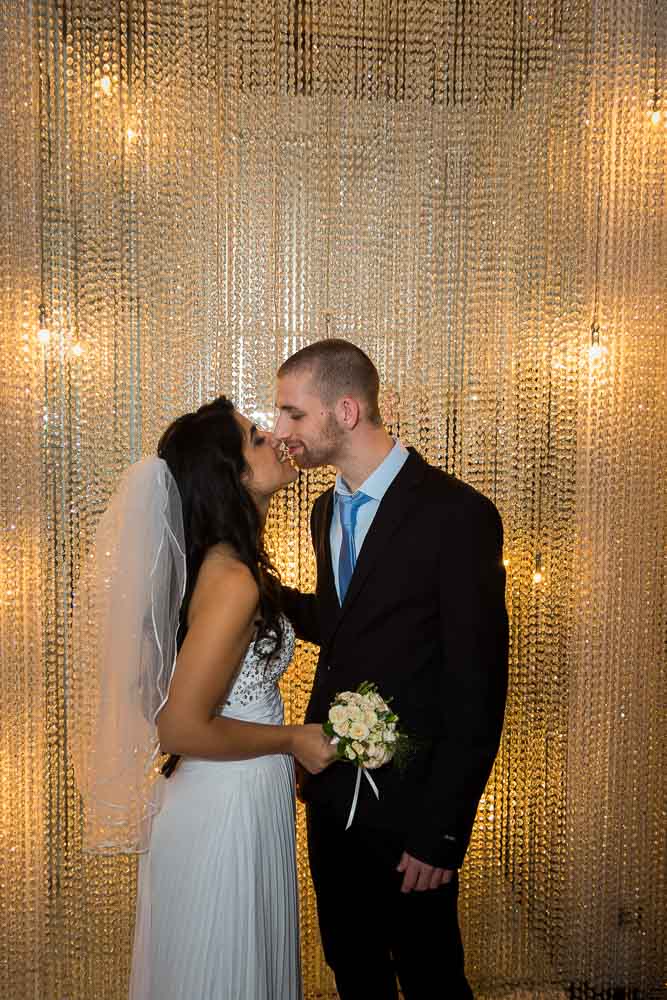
[367, 687]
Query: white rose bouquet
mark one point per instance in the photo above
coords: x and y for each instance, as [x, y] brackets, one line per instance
[365, 732]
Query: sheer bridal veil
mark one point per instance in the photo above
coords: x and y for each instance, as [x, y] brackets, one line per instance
[125, 622]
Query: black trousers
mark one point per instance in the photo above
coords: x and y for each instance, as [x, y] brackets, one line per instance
[371, 931]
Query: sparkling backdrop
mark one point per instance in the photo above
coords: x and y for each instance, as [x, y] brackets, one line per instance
[475, 194]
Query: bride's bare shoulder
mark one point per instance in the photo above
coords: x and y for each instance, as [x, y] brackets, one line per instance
[223, 577]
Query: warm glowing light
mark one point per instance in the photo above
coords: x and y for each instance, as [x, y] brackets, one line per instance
[656, 117]
[506, 563]
[596, 350]
[43, 333]
[131, 134]
[537, 576]
[77, 350]
[105, 84]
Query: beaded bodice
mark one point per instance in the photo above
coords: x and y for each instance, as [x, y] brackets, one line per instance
[258, 677]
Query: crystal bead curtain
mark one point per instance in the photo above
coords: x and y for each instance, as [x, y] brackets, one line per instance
[475, 194]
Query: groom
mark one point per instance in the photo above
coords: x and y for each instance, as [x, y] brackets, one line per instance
[410, 594]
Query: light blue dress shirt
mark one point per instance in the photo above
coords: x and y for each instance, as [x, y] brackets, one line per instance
[374, 487]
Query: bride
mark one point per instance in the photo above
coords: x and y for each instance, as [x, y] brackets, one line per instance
[180, 566]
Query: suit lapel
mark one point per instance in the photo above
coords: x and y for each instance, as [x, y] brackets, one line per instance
[394, 508]
[327, 588]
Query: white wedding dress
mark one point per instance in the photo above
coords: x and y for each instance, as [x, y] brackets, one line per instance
[217, 915]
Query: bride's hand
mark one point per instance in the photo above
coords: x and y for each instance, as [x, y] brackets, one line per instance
[312, 747]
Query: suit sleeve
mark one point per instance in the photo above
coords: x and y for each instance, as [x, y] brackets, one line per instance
[473, 682]
[300, 608]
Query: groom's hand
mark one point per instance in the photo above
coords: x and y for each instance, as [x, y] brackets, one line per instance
[420, 876]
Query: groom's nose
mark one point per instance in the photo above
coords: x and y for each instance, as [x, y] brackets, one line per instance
[278, 427]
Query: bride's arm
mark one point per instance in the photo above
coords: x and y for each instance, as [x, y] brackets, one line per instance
[220, 628]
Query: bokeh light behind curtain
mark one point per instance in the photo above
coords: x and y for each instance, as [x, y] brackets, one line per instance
[475, 194]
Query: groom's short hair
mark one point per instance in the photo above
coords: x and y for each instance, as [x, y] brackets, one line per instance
[337, 369]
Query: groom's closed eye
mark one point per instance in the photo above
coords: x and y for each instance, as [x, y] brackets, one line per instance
[290, 411]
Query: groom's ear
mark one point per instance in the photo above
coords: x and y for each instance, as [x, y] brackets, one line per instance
[347, 412]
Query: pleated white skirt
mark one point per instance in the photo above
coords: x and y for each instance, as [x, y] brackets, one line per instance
[217, 912]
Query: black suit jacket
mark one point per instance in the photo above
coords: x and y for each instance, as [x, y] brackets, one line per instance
[424, 617]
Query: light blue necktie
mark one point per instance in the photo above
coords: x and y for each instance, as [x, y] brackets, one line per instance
[348, 507]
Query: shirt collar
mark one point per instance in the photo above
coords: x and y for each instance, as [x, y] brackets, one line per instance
[379, 481]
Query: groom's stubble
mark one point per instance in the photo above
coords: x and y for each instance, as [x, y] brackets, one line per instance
[322, 448]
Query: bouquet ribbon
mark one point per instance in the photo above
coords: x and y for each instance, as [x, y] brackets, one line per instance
[355, 799]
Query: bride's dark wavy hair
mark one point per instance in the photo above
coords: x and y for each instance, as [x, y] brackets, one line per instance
[204, 452]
